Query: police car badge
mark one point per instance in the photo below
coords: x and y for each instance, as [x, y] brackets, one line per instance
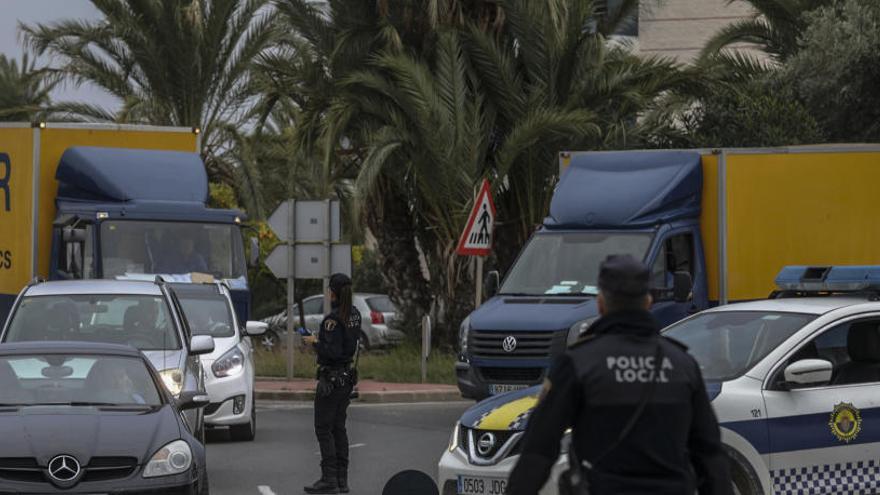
[845, 422]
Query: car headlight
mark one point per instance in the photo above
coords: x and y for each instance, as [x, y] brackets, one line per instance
[574, 333]
[463, 334]
[173, 380]
[455, 441]
[229, 364]
[174, 458]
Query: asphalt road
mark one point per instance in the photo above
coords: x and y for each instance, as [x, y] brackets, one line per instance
[385, 439]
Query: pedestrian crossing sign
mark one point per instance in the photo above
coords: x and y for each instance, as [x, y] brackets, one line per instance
[476, 240]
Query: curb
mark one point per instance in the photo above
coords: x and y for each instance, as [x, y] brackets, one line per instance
[382, 397]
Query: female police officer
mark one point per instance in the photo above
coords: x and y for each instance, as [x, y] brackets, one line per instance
[335, 345]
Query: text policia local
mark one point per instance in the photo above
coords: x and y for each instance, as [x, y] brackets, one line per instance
[637, 369]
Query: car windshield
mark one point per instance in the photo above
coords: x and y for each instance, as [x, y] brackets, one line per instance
[208, 315]
[136, 247]
[567, 263]
[382, 304]
[76, 380]
[727, 344]
[141, 321]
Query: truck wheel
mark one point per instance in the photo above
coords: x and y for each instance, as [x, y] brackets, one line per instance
[270, 341]
[247, 431]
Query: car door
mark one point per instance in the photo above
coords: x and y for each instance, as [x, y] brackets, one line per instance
[314, 312]
[826, 438]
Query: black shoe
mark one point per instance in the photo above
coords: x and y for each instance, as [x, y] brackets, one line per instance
[323, 485]
[343, 484]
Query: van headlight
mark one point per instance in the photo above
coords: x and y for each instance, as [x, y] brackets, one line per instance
[574, 333]
[463, 331]
[455, 440]
[173, 380]
[229, 364]
[174, 458]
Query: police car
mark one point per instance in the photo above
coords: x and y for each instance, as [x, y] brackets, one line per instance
[794, 380]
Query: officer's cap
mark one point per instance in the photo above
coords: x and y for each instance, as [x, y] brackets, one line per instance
[623, 275]
[338, 281]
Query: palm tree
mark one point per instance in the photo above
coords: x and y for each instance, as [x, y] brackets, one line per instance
[555, 61]
[24, 90]
[774, 28]
[170, 62]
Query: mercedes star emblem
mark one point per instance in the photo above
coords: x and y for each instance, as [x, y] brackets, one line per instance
[64, 468]
[509, 344]
[486, 443]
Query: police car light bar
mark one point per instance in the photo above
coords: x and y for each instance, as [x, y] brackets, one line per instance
[829, 278]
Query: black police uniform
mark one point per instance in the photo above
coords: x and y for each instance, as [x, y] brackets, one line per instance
[596, 387]
[336, 347]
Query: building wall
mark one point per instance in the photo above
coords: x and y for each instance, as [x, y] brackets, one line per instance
[680, 28]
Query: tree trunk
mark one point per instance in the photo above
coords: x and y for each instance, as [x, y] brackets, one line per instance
[387, 215]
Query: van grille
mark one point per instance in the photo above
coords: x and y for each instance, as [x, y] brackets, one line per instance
[514, 375]
[532, 345]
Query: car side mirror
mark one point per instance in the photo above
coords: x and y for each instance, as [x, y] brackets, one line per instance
[809, 372]
[491, 284]
[192, 400]
[201, 344]
[682, 287]
[255, 328]
[254, 258]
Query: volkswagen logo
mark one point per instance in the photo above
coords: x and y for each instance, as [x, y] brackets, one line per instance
[64, 469]
[486, 443]
[509, 343]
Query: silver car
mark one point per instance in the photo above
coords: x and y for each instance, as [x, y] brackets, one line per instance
[143, 315]
[229, 370]
[377, 311]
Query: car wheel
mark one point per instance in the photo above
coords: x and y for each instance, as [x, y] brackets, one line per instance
[247, 431]
[270, 342]
[364, 342]
[745, 481]
[204, 488]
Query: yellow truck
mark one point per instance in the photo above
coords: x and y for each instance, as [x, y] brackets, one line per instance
[107, 201]
[715, 224]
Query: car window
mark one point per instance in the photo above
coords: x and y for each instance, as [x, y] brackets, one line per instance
[141, 321]
[381, 304]
[41, 379]
[208, 315]
[726, 344]
[853, 348]
[314, 306]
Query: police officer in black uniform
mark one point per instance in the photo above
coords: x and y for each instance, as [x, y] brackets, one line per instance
[636, 402]
[335, 346]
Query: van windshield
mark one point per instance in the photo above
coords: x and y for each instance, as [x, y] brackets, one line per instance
[140, 247]
[567, 263]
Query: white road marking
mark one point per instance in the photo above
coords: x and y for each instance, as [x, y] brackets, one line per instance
[265, 490]
[357, 445]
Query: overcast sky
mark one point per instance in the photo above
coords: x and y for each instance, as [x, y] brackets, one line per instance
[46, 11]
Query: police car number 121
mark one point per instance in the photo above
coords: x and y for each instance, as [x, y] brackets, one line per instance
[468, 485]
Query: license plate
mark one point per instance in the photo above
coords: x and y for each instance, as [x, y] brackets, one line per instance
[470, 485]
[500, 389]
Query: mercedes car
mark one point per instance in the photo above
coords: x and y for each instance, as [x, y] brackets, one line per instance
[86, 417]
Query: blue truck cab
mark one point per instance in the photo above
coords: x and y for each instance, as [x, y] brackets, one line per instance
[644, 204]
[130, 213]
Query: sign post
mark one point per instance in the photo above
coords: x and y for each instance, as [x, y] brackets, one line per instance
[476, 240]
[310, 233]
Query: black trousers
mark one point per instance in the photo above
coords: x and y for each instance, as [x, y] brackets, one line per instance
[330, 415]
